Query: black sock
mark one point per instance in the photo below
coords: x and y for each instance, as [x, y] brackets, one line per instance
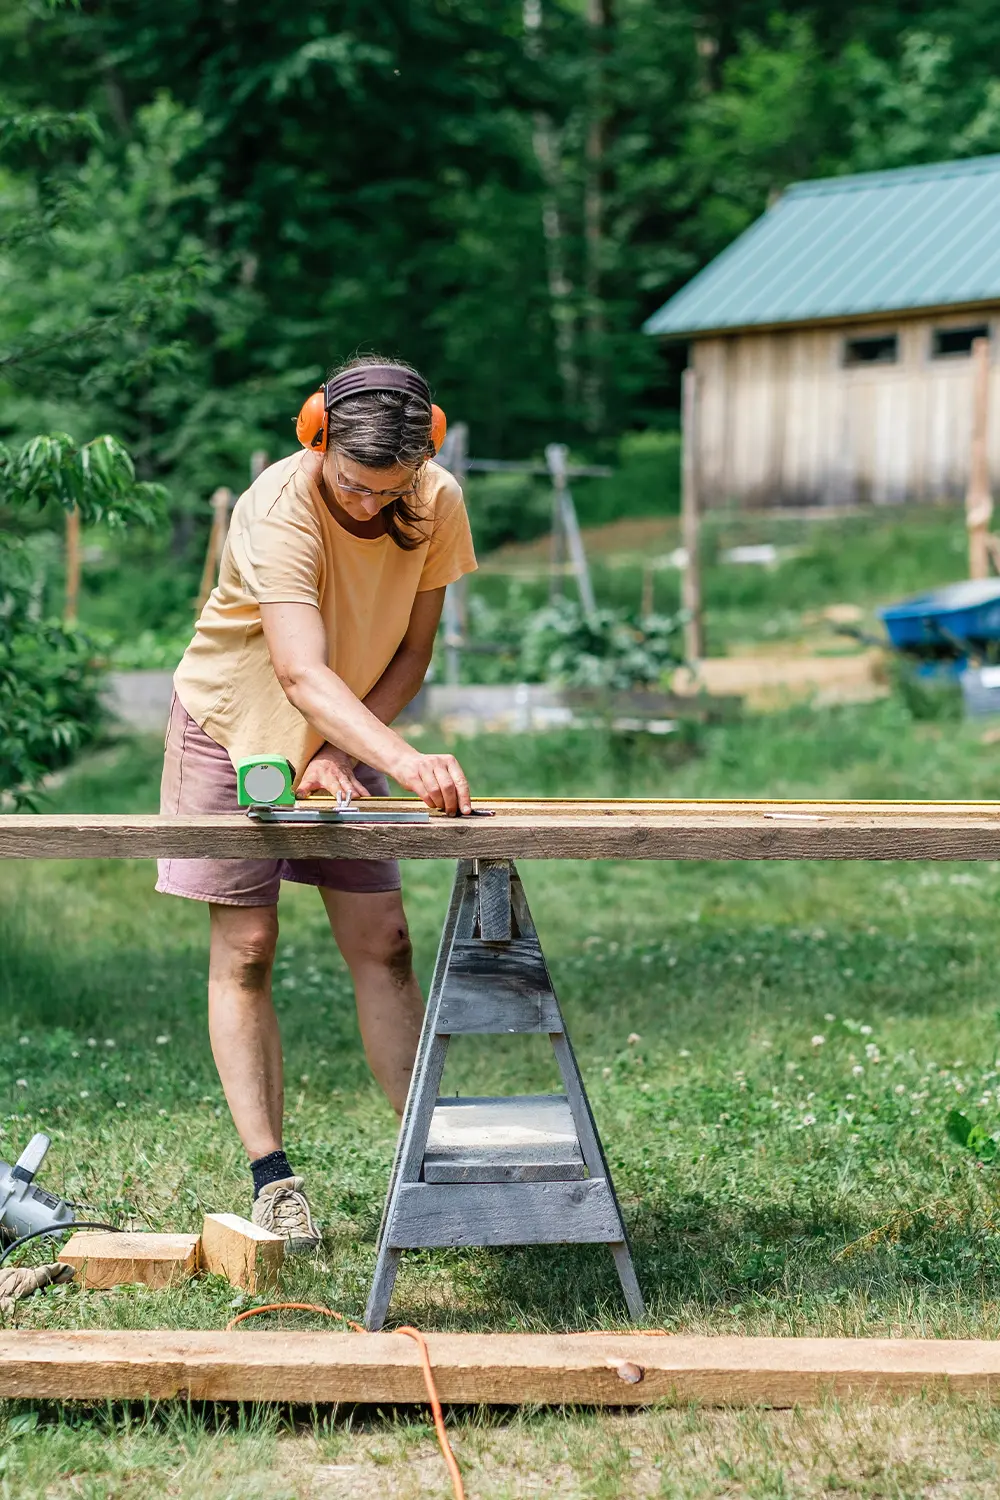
[272, 1168]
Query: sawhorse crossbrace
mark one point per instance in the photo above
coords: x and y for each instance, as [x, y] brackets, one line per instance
[526, 1170]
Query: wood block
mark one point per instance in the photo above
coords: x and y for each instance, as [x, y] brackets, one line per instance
[157, 1260]
[249, 1257]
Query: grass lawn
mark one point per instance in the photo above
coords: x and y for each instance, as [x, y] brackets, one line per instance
[865, 560]
[772, 1052]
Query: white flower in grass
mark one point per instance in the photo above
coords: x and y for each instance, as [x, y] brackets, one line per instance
[84, 1093]
[857, 1070]
[819, 1041]
[809, 1119]
[109, 1042]
[684, 1052]
[91, 1041]
[900, 1088]
[866, 1031]
[829, 1016]
[162, 1113]
[24, 1041]
[21, 1083]
[162, 1039]
[634, 1038]
[120, 1104]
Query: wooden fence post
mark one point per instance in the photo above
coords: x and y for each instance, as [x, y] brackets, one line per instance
[221, 503]
[978, 501]
[453, 456]
[694, 639]
[566, 531]
[72, 566]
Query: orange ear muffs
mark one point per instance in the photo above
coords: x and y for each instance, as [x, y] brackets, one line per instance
[439, 426]
[312, 425]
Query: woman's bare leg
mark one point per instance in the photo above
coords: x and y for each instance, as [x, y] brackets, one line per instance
[371, 933]
[242, 1024]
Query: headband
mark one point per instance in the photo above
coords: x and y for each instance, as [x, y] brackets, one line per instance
[375, 378]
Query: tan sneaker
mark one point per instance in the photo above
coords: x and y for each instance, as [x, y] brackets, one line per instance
[283, 1208]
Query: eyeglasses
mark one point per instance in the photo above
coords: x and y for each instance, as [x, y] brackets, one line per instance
[367, 494]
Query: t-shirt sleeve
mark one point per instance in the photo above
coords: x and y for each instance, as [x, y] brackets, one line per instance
[450, 553]
[280, 560]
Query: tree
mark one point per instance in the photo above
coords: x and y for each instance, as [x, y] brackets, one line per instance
[49, 703]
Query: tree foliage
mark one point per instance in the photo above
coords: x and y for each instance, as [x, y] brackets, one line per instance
[49, 683]
[498, 190]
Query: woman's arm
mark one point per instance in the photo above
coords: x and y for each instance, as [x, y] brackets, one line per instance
[296, 641]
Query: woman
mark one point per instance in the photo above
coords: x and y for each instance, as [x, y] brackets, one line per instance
[319, 632]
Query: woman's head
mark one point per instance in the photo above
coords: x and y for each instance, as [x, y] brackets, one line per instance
[378, 441]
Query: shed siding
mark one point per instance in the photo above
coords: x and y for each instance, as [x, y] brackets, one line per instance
[783, 422]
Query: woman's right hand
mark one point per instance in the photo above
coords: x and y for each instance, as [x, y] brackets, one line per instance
[437, 779]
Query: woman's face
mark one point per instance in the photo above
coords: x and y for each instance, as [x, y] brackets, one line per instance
[362, 492]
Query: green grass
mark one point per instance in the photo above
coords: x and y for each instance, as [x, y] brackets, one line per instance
[773, 1183]
[864, 560]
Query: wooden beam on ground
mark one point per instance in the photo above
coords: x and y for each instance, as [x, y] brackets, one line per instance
[503, 1369]
[104, 1260]
[540, 829]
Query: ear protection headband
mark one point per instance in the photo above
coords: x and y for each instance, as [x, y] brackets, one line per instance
[312, 426]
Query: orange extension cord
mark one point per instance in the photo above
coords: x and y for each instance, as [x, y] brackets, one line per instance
[425, 1361]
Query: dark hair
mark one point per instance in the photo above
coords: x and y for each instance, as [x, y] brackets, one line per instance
[380, 429]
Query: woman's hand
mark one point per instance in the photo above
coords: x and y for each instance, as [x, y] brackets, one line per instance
[437, 779]
[331, 770]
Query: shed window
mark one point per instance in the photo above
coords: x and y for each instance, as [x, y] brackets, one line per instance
[881, 349]
[947, 342]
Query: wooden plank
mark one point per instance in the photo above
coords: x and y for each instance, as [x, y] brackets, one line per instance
[522, 1138]
[555, 830]
[518, 1213]
[497, 990]
[493, 889]
[156, 1260]
[242, 1252]
[502, 1369]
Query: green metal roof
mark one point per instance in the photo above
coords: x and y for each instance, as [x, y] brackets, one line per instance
[848, 246]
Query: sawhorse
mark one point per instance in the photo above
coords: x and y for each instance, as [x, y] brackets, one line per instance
[525, 1170]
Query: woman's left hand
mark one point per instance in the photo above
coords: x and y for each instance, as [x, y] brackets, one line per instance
[331, 770]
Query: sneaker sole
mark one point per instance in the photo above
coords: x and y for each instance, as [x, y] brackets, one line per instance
[302, 1246]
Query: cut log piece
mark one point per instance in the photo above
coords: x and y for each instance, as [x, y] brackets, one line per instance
[249, 1257]
[156, 1260]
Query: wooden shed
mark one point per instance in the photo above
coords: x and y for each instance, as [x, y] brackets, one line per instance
[832, 340]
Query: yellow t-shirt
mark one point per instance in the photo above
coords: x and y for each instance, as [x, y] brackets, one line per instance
[285, 547]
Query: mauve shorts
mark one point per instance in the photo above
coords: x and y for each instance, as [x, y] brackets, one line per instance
[198, 777]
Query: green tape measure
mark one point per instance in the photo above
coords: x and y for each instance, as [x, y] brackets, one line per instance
[264, 781]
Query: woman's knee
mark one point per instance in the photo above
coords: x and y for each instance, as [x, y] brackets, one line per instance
[383, 945]
[244, 940]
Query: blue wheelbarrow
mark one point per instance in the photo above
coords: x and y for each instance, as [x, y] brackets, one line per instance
[946, 631]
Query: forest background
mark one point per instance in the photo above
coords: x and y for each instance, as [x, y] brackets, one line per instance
[204, 205]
